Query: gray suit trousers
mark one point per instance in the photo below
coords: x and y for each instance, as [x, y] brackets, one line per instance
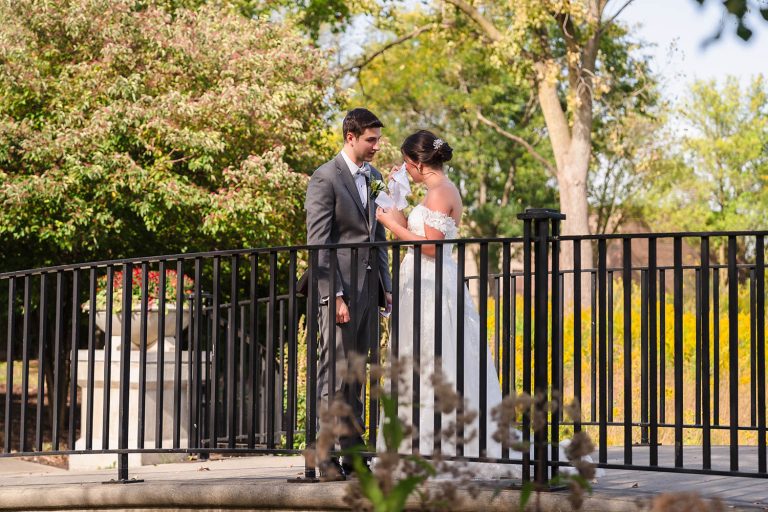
[353, 337]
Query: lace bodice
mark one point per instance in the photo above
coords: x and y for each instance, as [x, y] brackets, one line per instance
[422, 216]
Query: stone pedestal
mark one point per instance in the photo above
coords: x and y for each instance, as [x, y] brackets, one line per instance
[97, 461]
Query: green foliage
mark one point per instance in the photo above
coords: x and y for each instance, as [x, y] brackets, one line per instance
[440, 81]
[448, 79]
[712, 176]
[127, 129]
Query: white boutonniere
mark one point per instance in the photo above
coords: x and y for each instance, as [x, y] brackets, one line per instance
[377, 187]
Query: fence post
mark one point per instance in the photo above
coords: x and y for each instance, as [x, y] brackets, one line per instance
[539, 236]
[125, 376]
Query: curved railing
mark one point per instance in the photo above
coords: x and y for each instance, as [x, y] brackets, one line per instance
[225, 359]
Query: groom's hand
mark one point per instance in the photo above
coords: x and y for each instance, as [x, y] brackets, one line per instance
[342, 311]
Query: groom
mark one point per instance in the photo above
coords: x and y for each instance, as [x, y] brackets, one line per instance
[340, 210]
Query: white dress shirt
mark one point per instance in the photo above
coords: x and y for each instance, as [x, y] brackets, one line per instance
[362, 188]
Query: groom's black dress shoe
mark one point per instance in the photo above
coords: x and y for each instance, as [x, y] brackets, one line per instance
[331, 471]
[349, 468]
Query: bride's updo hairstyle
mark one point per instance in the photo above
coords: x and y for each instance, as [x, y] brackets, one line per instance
[427, 148]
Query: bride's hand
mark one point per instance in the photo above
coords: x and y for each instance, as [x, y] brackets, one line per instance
[386, 216]
[392, 171]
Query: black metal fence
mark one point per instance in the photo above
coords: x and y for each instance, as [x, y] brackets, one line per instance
[662, 341]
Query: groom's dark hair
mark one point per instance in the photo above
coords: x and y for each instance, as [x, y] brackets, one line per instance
[358, 120]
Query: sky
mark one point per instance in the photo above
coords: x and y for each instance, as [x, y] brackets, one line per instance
[677, 28]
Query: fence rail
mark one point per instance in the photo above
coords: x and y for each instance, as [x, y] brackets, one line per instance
[661, 340]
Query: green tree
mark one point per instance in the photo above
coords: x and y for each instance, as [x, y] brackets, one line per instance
[445, 82]
[713, 177]
[562, 51]
[127, 129]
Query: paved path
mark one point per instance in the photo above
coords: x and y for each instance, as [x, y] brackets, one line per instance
[260, 483]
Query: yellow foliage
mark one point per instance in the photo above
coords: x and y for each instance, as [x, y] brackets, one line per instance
[687, 358]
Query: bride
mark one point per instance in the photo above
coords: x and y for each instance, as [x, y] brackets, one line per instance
[437, 218]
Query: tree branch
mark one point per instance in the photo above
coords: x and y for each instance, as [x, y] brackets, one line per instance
[501, 131]
[610, 20]
[509, 185]
[568, 29]
[400, 40]
[488, 28]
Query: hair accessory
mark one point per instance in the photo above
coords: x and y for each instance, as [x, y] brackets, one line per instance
[437, 143]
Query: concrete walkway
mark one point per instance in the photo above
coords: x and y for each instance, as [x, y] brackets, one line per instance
[260, 483]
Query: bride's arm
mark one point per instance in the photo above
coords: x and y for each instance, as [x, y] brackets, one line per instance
[406, 235]
[389, 219]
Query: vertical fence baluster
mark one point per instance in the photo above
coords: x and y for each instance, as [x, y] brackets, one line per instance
[25, 364]
[143, 352]
[231, 387]
[733, 352]
[760, 307]
[280, 368]
[292, 351]
[125, 370]
[644, 384]
[705, 368]
[58, 338]
[527, 342]
[242, 391]
[483, 362]
[194, 355]
[312, 316]
[438, 345]
[603, 313]
[73, 359]
[678, 350]
[697, 351]
[627, 291]
[373, 336]
[254, 378]
[91, 358]
[497, 324]
[577, 329]
[611, 348]
[653, 357]
[513, 334]
[416, 358]
[460, 294]
[716, 346]
[10, 356]
[41, 361]
[394, 341]
[752, 349]
[663, 347]
[506, 345]
[272, 340]
[213, 361]
[593, 347]
[160, 355]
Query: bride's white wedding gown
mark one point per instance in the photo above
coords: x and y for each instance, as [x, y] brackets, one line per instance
[420, 217]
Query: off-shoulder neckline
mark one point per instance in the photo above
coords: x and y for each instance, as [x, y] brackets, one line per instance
[437, 212]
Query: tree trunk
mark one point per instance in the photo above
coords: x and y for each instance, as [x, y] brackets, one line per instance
[572, 149]
[572, 183]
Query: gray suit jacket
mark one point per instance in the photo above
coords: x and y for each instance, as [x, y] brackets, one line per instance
[335, 215]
